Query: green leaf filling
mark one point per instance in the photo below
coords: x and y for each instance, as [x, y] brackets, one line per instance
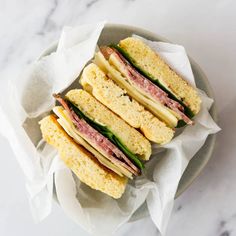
[108, 134]
[187, 110]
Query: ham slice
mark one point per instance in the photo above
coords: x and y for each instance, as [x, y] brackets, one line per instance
[98, 140]
[145, 84]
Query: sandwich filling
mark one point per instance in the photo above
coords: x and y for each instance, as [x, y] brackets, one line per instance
[146, 86]
[101, 138]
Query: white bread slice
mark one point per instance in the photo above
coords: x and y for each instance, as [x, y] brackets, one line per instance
[153, 64]
[157, 109]
[130, 137]
[66, 123]
[80, 161]
[94, 80]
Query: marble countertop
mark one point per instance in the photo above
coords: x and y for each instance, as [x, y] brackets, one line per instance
[207, 29]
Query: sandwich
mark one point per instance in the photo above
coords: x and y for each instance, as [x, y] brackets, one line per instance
[98, 146]
[82, 162]
[127, 88]
[95, 81]
[145, 76]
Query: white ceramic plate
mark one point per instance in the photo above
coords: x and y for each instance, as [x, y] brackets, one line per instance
[113, 33]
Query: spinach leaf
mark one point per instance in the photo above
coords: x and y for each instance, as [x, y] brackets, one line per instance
[108, 134]
[187, 110]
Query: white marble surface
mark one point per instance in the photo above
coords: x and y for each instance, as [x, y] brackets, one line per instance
[207, 29]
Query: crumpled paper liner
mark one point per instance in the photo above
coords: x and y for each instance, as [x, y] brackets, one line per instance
[29, 99]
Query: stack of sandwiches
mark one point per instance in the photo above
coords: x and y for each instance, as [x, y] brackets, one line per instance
[130, 97]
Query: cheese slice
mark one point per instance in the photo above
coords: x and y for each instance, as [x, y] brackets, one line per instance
[66, 123]
[162, 112]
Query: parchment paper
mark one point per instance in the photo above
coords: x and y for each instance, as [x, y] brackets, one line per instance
[29, 99]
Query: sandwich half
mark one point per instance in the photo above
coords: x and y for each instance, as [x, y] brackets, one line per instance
[114, 144]
[148, 78]
[95, 81]
[83, 163]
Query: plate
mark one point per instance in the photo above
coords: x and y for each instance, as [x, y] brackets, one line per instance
[113, 33]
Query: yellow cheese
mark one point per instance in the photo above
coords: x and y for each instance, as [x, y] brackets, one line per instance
[156, 108]
[68, 126]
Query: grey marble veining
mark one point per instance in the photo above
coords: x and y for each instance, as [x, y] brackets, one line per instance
[207, 29]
